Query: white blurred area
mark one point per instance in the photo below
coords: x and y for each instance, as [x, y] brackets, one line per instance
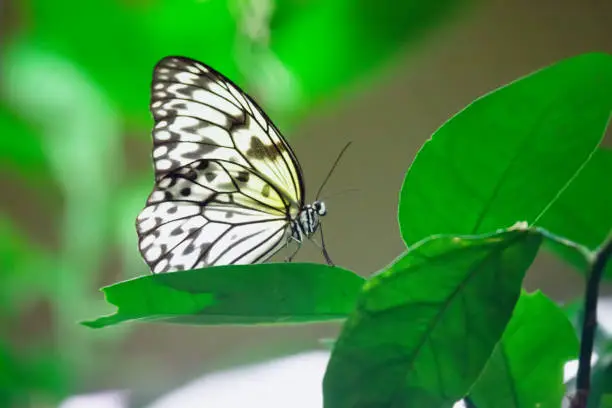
[604, 314]
[293, 381]
[104, 399]
[604, 319]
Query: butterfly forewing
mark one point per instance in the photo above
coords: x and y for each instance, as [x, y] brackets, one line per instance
[201, 113]
[227, 184]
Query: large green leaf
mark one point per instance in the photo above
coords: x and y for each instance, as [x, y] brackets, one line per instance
[245, 294]
[582, 211]
[424, 328]
[526, 369]
[508, 155]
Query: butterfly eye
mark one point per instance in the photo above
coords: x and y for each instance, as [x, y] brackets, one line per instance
[319, 206]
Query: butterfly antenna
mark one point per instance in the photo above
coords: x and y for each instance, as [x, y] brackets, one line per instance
[333, 167]
[339, 193]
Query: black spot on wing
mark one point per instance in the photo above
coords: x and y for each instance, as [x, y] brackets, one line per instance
[204, 248]
[191, 175]
[243, 176]
[185, 91]
[202, 149]
[258, 150]
[177, 132]
[265, 191]
[173, 178]
[210, 176]
[189, 249]
[203, 164]
[176, 107]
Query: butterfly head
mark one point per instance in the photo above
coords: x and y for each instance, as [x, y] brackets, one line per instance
[319, 207]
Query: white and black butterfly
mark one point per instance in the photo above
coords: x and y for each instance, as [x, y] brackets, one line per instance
[228, 188]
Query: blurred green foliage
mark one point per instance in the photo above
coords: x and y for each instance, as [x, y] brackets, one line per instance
[20, 265]
[27, 156]
[74, 85]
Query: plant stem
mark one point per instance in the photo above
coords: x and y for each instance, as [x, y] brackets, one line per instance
[589, 324]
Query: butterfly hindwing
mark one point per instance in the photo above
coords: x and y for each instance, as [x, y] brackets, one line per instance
[210, 212]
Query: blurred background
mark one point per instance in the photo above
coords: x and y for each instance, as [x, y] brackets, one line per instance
[75, 159]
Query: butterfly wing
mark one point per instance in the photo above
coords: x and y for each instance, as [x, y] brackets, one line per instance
[210, 212]
[227, 184]
[199, 113]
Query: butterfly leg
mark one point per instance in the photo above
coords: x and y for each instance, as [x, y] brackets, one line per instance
[322, 247]
[298, 245]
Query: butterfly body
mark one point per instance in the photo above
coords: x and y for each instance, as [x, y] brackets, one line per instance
[307, 222]
[228, 187]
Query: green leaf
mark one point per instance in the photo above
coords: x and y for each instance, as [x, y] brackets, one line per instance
[582, 211]
[508, 155]
[244, 294]
[606, 401]
[526, 369]
[424, 328]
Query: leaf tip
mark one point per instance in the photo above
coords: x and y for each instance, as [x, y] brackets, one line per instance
[92, 324]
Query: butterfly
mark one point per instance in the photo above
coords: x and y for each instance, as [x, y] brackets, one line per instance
[228, 187]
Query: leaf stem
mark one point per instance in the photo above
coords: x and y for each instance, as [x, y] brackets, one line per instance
[581, 249]
[589, 323]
